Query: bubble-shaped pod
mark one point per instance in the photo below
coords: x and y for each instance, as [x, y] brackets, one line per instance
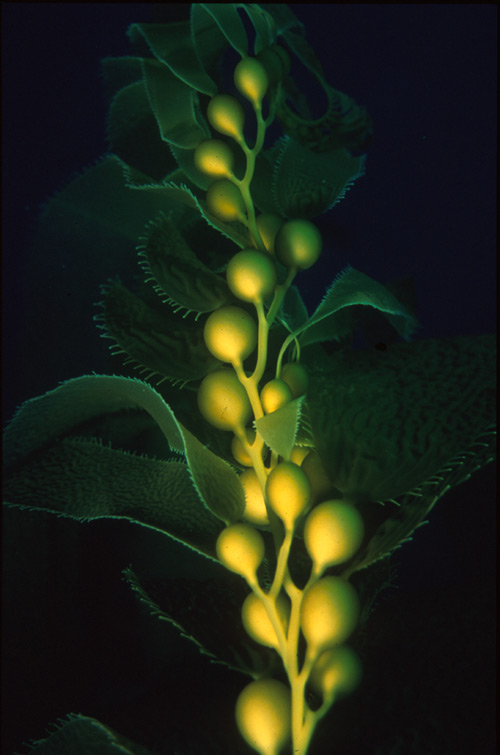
[226, 115]
[333, 532]
[298, 243]
[255, 506]
[257, 622]
[329, 613]
[251, 80]
[288, 492]
[214, 158]
[251, 275]
[263, 715]
[275, 394]
[230, 334]
[239, 451]
[336, 673]
[223, 401]
[224, 200]
[240, 548]
[296, 377]
[268, 225]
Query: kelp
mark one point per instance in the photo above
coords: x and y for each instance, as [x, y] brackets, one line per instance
[393, 430]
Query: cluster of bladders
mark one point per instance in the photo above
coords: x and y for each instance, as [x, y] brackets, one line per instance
[270, 714]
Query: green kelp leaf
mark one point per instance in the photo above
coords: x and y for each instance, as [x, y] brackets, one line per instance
[42, 420]
[181, 277]
[177, 274]
[133, 134]
[172, 45]
[223, 16]
[263, 23]
[175, 106]
[293, 311]
[82, 735]
[343, 124]
[96, 218]
[279, 429]
[84, 480]
[352, 288]
[159, 343]
[303, 183]
[208, 613]
[387, 422]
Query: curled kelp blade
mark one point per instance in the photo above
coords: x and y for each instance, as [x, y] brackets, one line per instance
[386, 422]
[303, 183]
[208, 613]
[343, 124]
[178, 276]
[159, 344]
[41, 421]
[172, 46]
[84, 480]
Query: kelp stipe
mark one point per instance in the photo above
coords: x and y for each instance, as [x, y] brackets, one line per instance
[340, 456]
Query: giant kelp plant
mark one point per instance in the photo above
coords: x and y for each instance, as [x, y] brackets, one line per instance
[257, 435]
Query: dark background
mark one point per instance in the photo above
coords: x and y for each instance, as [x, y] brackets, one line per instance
[426, 207]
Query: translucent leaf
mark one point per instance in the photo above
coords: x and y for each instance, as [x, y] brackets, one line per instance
[303, 183]
[387, 423]
[82, 735]
[263, 23]
[133, 132]
[42, 420]
[293, 312]
[172, 45]
[158, 343]
[175, 107]
[353, 288]
[85, 480]
[227, 19]
[209, 39]
[179, 277]
[279, 429]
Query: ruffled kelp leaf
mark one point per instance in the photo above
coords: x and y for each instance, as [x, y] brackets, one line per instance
[279, 429]
[44, 419]
[387, 423]
[82, 735]
[159, 343]
[85, 480]
[175, 106]
[303, 183]
[207, 18]
[173, 46]
[177, 274]
[330, 321]
[208, 613]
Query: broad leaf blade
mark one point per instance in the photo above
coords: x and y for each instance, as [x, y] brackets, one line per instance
[387, 422]
[85, 480]
[42, 420]
[353, 288]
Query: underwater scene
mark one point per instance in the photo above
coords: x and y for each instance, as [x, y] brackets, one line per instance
[249, 268]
